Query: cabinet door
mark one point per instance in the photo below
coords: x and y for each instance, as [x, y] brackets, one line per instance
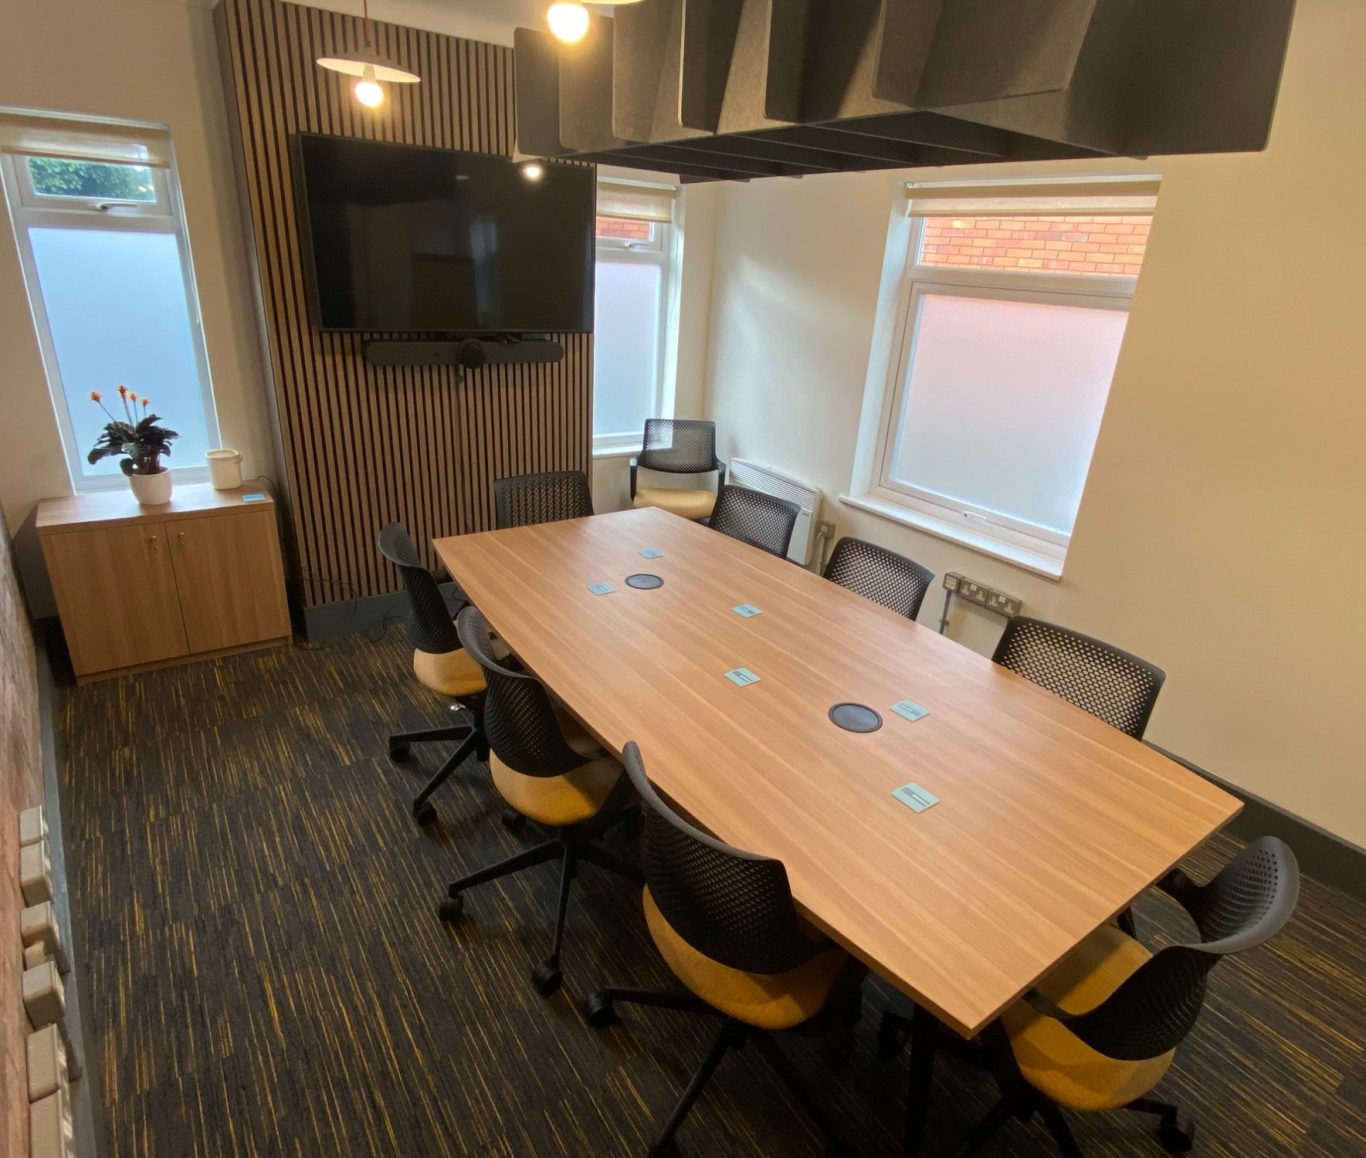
[232, 591]
[116, 593]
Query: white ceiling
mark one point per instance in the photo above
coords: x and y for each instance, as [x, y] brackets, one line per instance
[489, 20]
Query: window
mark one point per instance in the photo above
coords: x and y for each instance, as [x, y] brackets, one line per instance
[96, 215]
[635, 265]
[1010, 322]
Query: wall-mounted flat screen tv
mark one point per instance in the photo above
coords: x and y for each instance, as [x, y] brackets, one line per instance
[405, 239]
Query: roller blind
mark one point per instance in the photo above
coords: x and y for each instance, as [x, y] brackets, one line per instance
[1094, 196]
[40, 136]
[636, 202]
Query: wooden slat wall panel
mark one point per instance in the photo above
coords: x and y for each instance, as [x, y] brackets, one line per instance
[20, 788]
[366, 444]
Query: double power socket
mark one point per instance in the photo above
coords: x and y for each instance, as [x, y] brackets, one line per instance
[982, 595]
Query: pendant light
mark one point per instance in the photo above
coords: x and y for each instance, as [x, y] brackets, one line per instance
[374, 70]
[569, 21]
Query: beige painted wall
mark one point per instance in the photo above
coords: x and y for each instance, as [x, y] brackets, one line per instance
[150, 61]
[1222, 533]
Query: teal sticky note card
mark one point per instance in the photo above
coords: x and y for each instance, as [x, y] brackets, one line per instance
[255, 497]
[601, 588]
[909, 710]
[746, 610]
[742, 676]
[916, 798]
[652, 553]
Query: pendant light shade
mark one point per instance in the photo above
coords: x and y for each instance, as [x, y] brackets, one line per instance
[355, 64]
[367, 64]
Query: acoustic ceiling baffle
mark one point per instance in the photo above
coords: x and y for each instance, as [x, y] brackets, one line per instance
[738, 89]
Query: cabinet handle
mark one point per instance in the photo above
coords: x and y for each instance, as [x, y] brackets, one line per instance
[155, 544]
[180, 536]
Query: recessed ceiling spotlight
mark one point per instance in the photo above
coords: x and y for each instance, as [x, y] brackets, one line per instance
[533, 171]
[568, 22]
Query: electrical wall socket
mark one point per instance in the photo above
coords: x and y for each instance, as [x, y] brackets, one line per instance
[982, 595]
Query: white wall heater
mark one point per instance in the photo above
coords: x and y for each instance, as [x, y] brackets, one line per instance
[764, 478]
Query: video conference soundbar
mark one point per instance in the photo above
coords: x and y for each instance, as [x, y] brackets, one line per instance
[471, 353]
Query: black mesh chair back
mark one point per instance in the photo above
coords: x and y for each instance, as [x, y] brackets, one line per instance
[1111, 684]
[881, 575]
[679, 445]
[731, 905]
[541, 498]
[763, 521]
[519, 720]
[429, 621]
[1247, 903]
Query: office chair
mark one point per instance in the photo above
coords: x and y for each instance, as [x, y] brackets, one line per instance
[1100, 1030]
[878, 574]
[524, 499]
[1111, 684]
[678, 446]
[763, 521]
[439, 664]
[725, 924]
[552, 773]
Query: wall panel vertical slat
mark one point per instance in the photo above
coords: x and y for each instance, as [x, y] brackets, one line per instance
[365, 444]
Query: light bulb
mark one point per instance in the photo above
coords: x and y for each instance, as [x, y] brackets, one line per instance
[368, 90]
[569, 22]
[533, 171]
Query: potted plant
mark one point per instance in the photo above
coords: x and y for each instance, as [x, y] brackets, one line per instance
[142, 442]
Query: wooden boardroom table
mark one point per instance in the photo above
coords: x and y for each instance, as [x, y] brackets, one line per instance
[1049, 822]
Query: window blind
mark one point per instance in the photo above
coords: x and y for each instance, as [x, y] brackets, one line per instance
[636, 202]
[42, 136]
[1092, 196]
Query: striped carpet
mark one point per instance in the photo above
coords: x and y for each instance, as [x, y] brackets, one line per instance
[263, 971]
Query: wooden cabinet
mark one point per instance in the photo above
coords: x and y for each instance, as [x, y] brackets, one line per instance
[140, 586]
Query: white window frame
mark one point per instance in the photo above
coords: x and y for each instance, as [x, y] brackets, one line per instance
[1028, 545]
[666, 252]
[30, 209]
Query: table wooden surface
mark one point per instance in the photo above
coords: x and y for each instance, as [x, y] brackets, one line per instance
[1049, 821]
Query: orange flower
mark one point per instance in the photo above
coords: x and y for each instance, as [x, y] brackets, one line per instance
[94, 396]
[132, 397]
[123, 390]
[146, 402]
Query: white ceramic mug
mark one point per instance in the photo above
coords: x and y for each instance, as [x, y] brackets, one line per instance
[225, 469]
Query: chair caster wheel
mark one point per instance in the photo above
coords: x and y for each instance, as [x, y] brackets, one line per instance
[451, 909]
[547, 978]
[598, 1011]
[424, 814]
[399, 752]
[667, 1149]
[514, 820]
[890, 1039]
[1178, 1138]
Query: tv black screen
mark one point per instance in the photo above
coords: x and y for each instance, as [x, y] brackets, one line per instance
[433, 241]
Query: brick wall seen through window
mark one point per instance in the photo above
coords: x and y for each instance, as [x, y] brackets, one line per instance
[1069, 245]
[624, 229]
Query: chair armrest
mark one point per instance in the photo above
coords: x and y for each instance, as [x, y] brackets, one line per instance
[1177, 885]
[634, 465]
[720, 468]
[1041, 1004]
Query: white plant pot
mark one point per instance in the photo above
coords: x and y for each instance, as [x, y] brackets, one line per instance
[151, 490]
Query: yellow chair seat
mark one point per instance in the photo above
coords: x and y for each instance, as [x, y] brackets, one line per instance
[763, 1000]
[558, 801]
[452, 673]
[1054, 1060]
[688, 504]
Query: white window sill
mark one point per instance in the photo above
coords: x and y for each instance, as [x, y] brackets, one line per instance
[616, 450]
[1011, 553]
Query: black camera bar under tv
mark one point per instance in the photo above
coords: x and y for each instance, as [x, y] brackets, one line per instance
[467, 353]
